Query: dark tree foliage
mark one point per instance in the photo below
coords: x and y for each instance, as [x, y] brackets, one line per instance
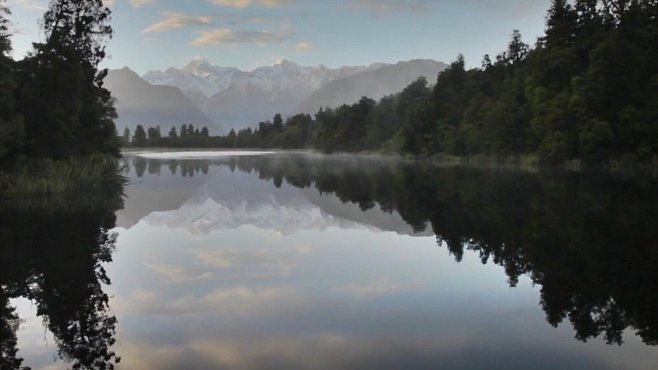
[188, 138]
[11, 124]
[59, 88]
[140, 139]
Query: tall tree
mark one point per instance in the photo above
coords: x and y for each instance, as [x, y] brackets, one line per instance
[67, 110]
[139, 139]
[11, 124]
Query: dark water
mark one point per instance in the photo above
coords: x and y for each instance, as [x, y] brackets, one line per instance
[307, 262]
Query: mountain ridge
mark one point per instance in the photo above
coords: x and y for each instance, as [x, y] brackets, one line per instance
[138, 102]
[225, 98]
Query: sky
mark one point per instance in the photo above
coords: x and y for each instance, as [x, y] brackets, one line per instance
[158, 34]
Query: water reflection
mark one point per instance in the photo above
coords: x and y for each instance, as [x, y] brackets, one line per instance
[52, 252]
[588, 241]
[302, 261]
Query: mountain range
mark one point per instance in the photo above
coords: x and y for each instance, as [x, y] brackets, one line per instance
[225, 98]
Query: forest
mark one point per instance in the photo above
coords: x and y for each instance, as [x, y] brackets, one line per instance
[57, 128]
[587, 90]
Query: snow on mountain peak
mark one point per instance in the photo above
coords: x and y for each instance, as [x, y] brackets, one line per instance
[200, 78]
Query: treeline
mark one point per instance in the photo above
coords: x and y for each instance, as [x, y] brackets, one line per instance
[52, 102]
[153, 137]
[588, 89]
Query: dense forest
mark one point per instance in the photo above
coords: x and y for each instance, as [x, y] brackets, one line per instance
[588, 90]
[54, 111]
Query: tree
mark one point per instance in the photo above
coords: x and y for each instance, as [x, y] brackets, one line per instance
[139, 139]
[561, 24]
[183, 131]
[205, 132]
[154, 136]
[67, 111]
[11, 124]
[277, 122]
[172, 133]
[5, 42]
[517, 50]
[125, 138]
[232, 139]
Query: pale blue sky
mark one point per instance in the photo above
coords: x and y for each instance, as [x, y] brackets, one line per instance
[157, 34]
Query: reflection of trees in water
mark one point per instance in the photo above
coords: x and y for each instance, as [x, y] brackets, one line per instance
[589, 241]
[53, 255]
[184, 168]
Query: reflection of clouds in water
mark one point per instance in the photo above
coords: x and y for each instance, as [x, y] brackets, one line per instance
[330, 350]
[237, 300]
[178, 274]
[344, 302]
[278, 261]
[381, 286]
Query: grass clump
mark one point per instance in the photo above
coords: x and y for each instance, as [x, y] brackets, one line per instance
[76, 175]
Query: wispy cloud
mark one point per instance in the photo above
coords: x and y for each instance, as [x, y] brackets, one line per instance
[222, 36]
[246, 3]
[172, 20]
[380, 7]
[140, 3]
[304, 46]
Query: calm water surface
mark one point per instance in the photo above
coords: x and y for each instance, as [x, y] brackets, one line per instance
[293, 261]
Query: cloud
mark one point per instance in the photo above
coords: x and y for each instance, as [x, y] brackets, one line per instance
[140, 3]
[171, 20]
[304, 46]
[176, 274]
[381, 286]
[222, 36]
[246, 3]
[380, 7]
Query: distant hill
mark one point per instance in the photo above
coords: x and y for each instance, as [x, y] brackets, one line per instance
[374, 84]
[139, 102]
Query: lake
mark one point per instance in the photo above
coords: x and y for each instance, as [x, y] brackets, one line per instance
[255, 260]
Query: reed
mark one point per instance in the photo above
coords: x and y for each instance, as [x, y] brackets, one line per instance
[76, 175]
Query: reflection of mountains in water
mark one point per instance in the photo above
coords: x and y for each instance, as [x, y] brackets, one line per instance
[187, 194]
[588, 240]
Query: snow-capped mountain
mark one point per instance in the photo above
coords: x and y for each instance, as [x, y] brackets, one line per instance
[226, 199]
[237, 99]
[199, 76]
[225, 98]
